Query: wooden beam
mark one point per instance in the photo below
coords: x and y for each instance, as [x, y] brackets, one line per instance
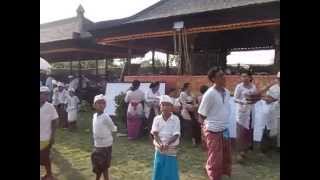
[71, 67]
[79, 50]
[214, 28]
[153, 63]
[97, 71]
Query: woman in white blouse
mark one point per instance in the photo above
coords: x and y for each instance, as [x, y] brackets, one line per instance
[135, 115]
[188, 113]
[244, 98]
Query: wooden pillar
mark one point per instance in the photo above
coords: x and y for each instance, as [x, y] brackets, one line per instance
[167, 64]
[79, 73]
[153, 63]
[71, 68]
[97, 71]
[125, 69]
[277, 53]
[106, 70]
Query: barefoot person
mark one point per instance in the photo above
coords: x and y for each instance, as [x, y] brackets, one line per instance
[135, 115]
[166, 132]
[48, 120]
[214, 111]
[103, 127]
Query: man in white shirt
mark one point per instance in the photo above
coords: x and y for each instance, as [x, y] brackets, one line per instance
[48, 118]
[74, 82]
[273, 98]
[214, 110]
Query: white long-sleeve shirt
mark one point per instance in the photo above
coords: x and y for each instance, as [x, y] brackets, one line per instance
[103, 127]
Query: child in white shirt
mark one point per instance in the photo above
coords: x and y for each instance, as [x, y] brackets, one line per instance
[166, 133]
[102, 133]
[72, 108]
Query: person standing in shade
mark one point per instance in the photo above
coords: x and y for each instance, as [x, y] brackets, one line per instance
[48, 121]
[135, 115]
[166, 132]
[151, 105]
[214, 112]
[188, 113]
[273, 98]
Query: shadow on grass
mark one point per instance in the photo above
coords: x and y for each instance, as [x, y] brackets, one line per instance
[65, 167]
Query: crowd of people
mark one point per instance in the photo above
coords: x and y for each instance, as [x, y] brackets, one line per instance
[208, 118]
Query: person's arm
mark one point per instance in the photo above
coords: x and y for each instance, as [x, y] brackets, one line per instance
[237, 94]
[172, 140]
[126, 98]
[108, 121]
[205, 106]
[156, 137]
[54, 124]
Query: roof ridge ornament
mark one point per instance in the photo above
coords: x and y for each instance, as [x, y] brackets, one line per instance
[80, 11]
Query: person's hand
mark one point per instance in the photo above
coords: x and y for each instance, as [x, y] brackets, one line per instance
[51, 142]
[165, 147]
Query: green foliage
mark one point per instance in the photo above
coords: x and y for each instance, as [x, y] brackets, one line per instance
[120, 110]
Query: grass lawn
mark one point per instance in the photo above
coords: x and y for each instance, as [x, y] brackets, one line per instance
[132, 160]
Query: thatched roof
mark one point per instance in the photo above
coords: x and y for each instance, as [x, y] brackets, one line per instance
[66, 29]
[170, 8]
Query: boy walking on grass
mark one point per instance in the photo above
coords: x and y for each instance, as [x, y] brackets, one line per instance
[48, 118]
[102, 133]
[166, 133]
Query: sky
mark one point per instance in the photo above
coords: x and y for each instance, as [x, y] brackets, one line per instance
[101, 10]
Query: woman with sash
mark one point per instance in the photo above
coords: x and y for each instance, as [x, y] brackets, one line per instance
[135, 115]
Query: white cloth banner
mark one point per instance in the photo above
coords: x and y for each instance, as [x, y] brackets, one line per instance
[114, 89]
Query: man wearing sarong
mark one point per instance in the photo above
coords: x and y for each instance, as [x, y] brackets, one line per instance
[135, 114]
[214, 110]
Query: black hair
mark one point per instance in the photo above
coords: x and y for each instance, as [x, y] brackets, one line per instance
[203, 89]
[185, 86]
[154, 84]
[212, 73]
[135, 85]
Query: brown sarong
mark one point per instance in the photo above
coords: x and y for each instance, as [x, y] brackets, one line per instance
[244, 138]
[45, 156]
[219, 155]
[101, 159]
